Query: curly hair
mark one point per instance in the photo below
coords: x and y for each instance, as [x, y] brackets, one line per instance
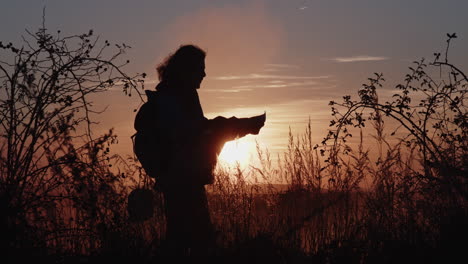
[180, 62]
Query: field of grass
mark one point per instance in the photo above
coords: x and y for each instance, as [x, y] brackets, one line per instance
[312, 217]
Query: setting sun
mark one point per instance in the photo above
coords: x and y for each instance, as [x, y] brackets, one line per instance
[236, 152]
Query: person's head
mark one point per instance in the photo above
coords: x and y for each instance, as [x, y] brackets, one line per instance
[185, 68]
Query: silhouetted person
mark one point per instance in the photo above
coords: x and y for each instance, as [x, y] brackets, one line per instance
[178, 146]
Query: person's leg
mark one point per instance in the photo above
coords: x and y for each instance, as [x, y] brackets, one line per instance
[202, 231]
[177, 228]
[188, 220]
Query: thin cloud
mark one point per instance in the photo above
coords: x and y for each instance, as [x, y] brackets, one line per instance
[282, 66]
[276, 67]
[277, 85]
[227, 90]
[359, 58]
[255, 76]
[321, 87]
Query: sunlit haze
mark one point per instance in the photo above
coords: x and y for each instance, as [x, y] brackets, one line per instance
[238, 152]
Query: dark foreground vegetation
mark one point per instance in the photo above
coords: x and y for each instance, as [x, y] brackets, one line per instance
[399, 196]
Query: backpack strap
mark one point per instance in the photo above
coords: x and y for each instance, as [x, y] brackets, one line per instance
[132, 137]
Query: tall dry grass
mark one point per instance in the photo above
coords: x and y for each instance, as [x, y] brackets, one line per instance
[365, 208]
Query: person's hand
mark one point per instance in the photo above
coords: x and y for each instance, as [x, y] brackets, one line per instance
[256, 123]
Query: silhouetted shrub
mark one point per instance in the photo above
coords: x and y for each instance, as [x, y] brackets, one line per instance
[55, 182]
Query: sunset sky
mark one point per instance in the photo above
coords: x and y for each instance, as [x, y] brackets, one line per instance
[286, 57]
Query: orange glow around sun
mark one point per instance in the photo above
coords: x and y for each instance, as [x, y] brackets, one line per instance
[237, 152]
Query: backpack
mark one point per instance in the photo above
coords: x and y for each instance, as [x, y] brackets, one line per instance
[148, 145]
[152, 148]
